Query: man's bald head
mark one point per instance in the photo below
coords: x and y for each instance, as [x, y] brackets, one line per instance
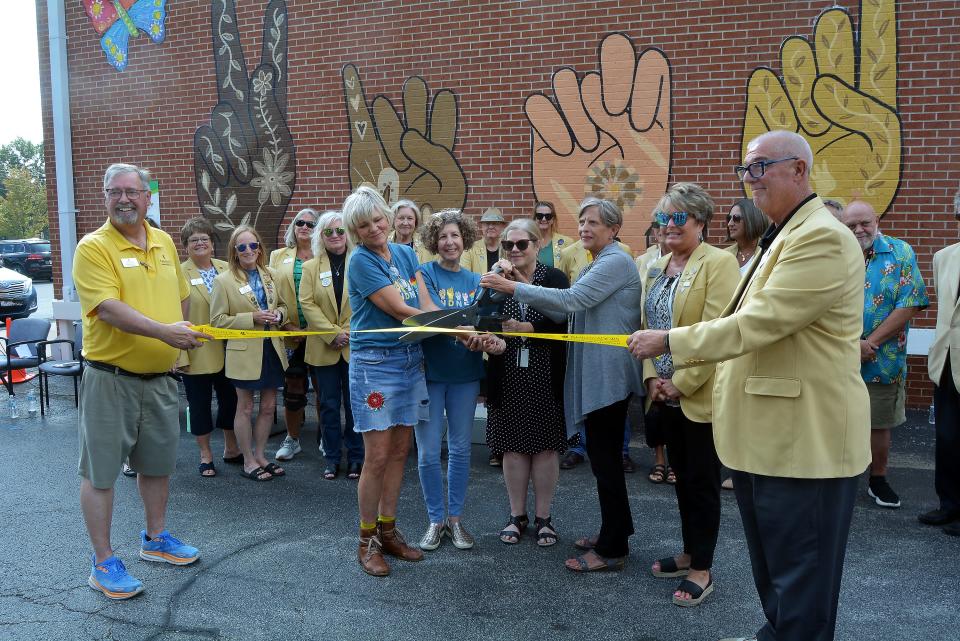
[860, 217]
[784, 144]
[776, 170]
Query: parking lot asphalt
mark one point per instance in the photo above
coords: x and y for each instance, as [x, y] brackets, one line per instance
[278, 558]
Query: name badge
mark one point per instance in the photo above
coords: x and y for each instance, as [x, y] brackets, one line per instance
[196, 281]
[288, 259]
[129, 262]
[326, 274]
[246, 289]
[326, 282]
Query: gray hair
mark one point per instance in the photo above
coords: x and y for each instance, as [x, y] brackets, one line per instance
[289, 239]
[324, 221]
[610, 214]
[360, 207]
[119, 168]
[523, 224]
[400, 204]
[787, 143]
[430, 232]
[691, 198]
[835, 207]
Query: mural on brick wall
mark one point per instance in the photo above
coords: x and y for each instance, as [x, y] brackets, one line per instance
[839, 91]
[119, 20]
[244, 160]
[409, 155]
[606, 133]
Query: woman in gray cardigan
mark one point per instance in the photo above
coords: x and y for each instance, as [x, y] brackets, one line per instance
[600, 379]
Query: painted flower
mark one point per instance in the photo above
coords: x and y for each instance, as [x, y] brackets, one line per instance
[96, 8]
[272, 180]
[263, 82]
[615, 181]
[375, 401]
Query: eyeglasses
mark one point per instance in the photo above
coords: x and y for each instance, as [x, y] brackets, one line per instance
[302, 222]
[522, 245]
[203, 240]
[330, 231]
[734, 217]
[543, 216]
[131, 194]
[756, 169]
[663, 219]
[242, 247]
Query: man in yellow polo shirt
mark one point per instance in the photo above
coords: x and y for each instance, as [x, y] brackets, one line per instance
[128, 277]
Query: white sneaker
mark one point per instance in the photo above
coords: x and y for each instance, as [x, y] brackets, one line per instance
[289, 449]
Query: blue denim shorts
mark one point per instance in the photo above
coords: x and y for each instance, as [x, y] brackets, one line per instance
[387, 387]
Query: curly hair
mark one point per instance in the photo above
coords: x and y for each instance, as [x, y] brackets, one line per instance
[430, 232]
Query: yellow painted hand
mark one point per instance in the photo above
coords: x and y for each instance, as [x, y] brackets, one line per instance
[606, 135]
[409, 158]
[848, 116]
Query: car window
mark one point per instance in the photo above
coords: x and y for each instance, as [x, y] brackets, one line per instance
[39, 248]
[6, 248]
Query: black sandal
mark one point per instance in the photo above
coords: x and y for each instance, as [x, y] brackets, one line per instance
[548, 538]
[520, 522]
[331, 472]
[274, 469]
[207, 467]
[657, 474]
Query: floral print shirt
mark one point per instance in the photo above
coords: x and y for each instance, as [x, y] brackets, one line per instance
[893, 281]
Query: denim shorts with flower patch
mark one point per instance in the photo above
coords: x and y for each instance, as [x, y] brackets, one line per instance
[387, 387]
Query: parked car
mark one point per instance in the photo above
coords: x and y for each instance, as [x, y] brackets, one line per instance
[29, 256]
[18, 297]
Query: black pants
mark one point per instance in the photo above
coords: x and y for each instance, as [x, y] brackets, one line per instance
[796, 531]
[946, 405]
[200, 389]
[693, 458]
[604, 430]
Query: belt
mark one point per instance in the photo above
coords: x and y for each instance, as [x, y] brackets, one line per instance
[113, 369]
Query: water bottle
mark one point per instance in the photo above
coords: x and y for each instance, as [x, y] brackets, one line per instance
[932, 417]
[12, 405]
[32, 406]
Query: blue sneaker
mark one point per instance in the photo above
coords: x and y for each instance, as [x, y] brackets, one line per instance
[111, 578]
[167, 549]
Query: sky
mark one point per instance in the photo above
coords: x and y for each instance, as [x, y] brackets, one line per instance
[20, 116]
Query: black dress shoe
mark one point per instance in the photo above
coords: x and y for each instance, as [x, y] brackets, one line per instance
[939, 517]
[570, 461]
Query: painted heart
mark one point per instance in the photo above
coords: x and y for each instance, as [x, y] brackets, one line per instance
[361, 126]
[355, 102]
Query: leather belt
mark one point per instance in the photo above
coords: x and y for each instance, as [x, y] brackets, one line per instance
[113, 369]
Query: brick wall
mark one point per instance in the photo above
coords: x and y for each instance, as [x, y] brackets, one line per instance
[493, 55]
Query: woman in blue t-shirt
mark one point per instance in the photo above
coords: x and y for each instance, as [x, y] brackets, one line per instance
[388, 394]
[453, 378]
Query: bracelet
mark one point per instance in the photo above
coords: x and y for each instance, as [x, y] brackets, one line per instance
[666, 342]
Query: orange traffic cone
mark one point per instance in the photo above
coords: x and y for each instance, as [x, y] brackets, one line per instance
[17, 375]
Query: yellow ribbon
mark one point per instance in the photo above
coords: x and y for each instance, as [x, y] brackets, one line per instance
[219, 333]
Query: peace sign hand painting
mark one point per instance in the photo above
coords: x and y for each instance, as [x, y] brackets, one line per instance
[244, 160]
[839, 91]
[409, 156]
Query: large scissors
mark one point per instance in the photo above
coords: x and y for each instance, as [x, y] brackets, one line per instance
[481, 314]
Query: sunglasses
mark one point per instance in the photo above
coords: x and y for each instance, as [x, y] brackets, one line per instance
[242, 247]
[663, 218]
[330, 231]
[734, 217]
[540, 216]
[522, 245]
[302, 222]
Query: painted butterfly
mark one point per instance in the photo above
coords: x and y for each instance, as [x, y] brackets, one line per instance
[118, 20]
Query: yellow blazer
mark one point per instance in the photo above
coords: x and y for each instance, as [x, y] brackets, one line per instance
[283, 273]
[573, 258]
[646, 259]
[788, 399]
[424, 255]
[279, 257]
[706, 286]
[319, 304]
[946, 344]
[208, 358]
[233, 309]
[559, 242]
[475, 258]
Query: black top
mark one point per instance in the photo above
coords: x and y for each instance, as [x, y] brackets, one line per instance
[337, 264]
[492, 258]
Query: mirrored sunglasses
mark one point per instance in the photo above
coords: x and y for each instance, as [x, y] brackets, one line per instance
[330, 231]
[242, 247]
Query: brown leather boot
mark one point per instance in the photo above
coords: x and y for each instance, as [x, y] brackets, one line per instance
[393, 543]
[370, 555]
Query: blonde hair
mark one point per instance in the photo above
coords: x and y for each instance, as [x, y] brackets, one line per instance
[234, 259]
[360, 207]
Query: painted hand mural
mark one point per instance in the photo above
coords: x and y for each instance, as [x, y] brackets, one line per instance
[409, 157]
[244, 161]
[839, 91]
[606, 135]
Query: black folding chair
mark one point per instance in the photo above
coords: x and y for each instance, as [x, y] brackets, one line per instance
[72, 367]
[26, 332]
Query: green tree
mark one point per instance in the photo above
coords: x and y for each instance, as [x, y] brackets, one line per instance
[23, 207]
[21, 153]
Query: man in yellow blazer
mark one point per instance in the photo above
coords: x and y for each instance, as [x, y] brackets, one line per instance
[943, 365]
[791, 411]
